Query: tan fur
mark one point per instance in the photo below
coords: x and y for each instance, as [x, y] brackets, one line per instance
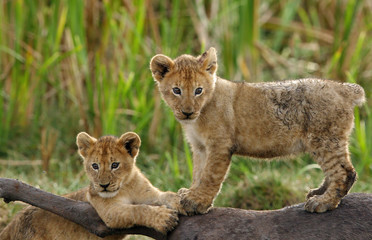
[128, 200]
[262, 120]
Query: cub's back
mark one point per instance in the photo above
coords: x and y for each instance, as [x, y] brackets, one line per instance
[298, 102]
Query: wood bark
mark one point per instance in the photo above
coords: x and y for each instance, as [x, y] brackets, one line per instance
[351, 220]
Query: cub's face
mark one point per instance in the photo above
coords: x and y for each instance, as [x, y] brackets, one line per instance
[187, 83]
[108, 161]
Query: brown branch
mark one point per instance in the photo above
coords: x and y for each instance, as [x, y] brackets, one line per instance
[351, 220]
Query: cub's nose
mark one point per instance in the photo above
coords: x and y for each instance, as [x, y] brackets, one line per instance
[187, 114]
[104, 186]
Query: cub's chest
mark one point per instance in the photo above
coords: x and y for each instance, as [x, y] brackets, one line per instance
[195, 135]
[122, 199]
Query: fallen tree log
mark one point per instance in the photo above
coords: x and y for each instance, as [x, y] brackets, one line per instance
[351, 220]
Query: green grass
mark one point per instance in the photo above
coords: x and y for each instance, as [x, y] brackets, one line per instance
[66, 68]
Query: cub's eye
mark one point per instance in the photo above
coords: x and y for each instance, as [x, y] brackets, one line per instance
[176, 91]
[115, 165]
[95, 166]
[198, 91]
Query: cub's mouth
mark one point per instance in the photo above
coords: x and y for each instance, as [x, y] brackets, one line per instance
[187, 116]
[107, 193]
[186, 120]
[107, 190]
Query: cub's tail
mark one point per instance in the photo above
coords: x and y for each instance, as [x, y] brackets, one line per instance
[354, 93]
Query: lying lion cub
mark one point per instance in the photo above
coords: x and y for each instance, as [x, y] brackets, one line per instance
[120, 193]
[262, 120]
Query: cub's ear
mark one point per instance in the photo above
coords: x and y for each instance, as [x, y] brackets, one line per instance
[208, 60]
[160, 65]
[131, 142]
[84, 142]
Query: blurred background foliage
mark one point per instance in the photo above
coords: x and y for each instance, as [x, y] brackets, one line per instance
[68, 66]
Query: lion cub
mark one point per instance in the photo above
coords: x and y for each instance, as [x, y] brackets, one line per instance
[120, 193]
[262, 120]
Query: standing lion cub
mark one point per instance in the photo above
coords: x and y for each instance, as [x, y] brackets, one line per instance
[119, 192]
[262, 120]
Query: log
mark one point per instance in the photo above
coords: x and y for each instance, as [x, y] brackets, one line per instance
[351, 220]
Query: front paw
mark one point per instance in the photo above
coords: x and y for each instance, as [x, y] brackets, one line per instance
[194, 202]
[166, 219]
[175, 203]
[320, 203]
[172, 200]
[182, 191]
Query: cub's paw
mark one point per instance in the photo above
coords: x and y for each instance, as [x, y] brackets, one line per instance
[194, 202]
[166, 219]
[182, 191]
[173, 201]
[320, 204]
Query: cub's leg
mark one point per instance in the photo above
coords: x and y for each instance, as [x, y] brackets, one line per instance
[199, 198]
[118, 215]
[335, 162]
[320, 190]
[198, 160]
